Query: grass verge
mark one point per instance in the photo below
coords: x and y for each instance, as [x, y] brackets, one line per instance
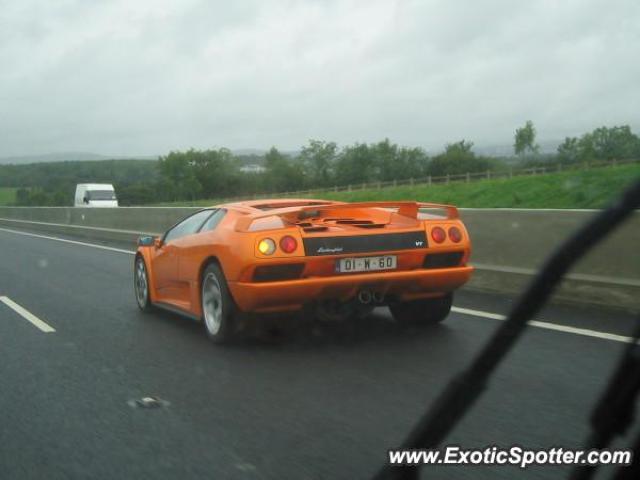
[590, 188]
[7, 195]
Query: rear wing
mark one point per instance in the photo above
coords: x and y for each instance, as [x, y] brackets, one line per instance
[293, 215]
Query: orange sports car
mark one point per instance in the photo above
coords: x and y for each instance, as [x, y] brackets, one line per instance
[338, 259]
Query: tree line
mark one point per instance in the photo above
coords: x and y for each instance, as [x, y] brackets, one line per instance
[54, 183]
[218, 173]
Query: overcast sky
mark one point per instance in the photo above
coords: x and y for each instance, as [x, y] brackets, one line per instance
[145, 77]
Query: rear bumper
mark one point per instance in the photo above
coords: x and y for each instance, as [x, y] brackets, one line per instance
[292, 294]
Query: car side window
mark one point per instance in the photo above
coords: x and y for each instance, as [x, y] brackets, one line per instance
[213, 220]
[188, 226]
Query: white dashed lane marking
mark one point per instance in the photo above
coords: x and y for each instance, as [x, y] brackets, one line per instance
[585, 332]
[27, 315]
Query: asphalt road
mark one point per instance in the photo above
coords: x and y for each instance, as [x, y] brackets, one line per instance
[314, 403]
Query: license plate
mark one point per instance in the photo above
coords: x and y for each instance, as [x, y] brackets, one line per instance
[366, 264]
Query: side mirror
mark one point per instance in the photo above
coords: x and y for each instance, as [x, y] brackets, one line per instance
[86, 200]
[147, 241]
[157, 242]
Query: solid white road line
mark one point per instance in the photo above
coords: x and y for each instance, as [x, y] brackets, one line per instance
[64, 240]
[27, 315]
[465, 311]
[632, 282]
[548, 326]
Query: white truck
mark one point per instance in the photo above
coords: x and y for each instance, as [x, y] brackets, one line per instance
[95, 195]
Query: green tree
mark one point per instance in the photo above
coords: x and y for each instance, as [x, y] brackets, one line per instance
[610, 143]
[38, 197]
[458, 158]
[318, 158]
[392, 162]
[179, 176]
[282, 175]
[525, 138]
[22, 197]
[138, 194]
[411, 163]
[569, 150]
[384, 158]
[62, 197]
[603, 143]
[216, 170]
[355, 165]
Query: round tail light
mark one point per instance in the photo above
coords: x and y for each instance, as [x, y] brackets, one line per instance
[455, 234]
[288, 244]
[267, 246]
[438, 235]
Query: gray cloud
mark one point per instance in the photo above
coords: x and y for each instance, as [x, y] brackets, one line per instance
[145, 77]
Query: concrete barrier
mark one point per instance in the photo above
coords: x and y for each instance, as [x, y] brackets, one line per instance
[509, 245]
[141, 219]
[123, 225]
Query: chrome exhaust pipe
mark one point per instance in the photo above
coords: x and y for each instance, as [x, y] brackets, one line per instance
[364, 297]
[378, 297]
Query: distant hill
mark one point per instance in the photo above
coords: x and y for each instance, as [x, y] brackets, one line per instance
[245, 156]
[249, 152]
[69, 156]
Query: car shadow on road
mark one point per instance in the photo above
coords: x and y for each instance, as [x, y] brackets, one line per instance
[376, 328]
[291, 332]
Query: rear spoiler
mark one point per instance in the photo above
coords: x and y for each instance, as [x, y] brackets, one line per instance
[293, 215]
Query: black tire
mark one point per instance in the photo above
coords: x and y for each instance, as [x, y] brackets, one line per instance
[422, 312]
[220, 316]
[141, 285]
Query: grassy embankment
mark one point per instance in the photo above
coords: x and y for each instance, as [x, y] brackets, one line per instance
[590, 188]
[7, 195]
